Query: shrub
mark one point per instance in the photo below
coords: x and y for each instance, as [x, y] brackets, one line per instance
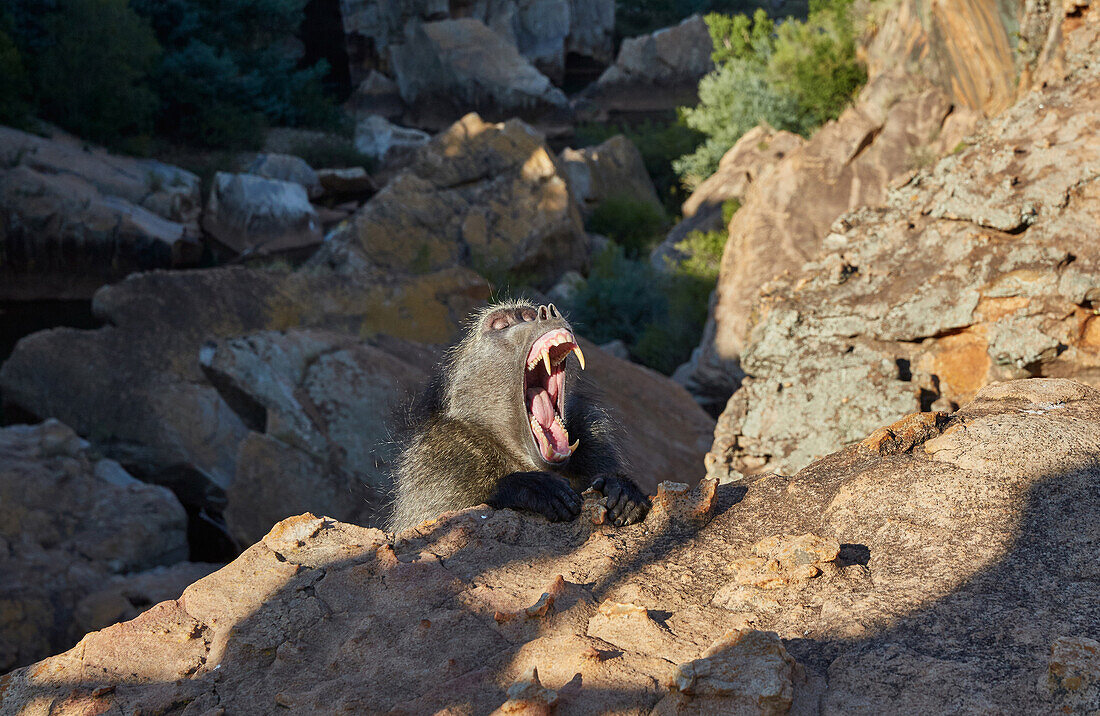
[230, 68]
[794, 76]
[634, 225]
[14, 86]
[91, 73]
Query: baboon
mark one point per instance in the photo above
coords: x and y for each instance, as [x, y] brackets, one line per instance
[495, 425]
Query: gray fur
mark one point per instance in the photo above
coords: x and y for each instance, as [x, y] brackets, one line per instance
[469, 439]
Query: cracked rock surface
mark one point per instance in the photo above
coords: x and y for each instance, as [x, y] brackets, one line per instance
[950, 568]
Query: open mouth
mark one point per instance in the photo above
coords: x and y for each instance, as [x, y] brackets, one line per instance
[544, 392]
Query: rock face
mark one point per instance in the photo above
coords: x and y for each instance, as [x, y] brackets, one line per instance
[69, 522]
[73, 218]
[981, 269]
[136, 387]
[659, 71]
[612, 169]
[488, 196]
[450, 67]
[747, 161]
[950, 571]
[543, 31]
[254, 216]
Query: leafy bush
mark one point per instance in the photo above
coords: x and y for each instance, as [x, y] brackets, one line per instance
[14, 87]
[230, 67]
[634, 225]
[660, 143]
[794, 76]
[90, 73]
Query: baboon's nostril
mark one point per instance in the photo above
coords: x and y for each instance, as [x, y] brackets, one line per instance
[544, 313]
[552, 310]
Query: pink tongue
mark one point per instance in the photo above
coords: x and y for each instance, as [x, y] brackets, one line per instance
[541, 407]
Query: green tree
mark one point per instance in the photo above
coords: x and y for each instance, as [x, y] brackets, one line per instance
[230, 67]
[91, 73]
[14, 86]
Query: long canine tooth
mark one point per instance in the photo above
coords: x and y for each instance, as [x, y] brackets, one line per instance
[574, 446]
[546, 361]
[580, 355]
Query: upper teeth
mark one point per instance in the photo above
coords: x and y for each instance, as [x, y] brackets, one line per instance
[544, 355]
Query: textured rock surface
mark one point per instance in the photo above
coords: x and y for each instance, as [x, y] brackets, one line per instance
[73, 218]
[981, 269]
[70, 521]
[753, 156]
[488, 196]
[450, 67]
[611, 169]
[542, 30]
[286, 167]
[377, 137]
[254, 216]
[136, 387]
[959, 575]
[659, 71]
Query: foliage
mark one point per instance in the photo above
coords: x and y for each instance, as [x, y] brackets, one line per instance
[634, 225]
[793, 75]
[659, 143]
[14, 86]
[230, 67]
[90, 71]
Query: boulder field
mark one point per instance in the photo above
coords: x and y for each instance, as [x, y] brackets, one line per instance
[945, 564]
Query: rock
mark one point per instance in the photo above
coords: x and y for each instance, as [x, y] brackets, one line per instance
[70, 521]
[958, 565]
[616, 348]
[253, 216]
[386, 142]
[977, 270]
[787, 213]
[286, 167]
[487, 196]
[326, 440]
[136, 387]
[543, 31]
[348, 181]
[612, 169]
[566, 288]
[378, 95]
[74, 218]
[450, 67]
[659, 71]
[753, 155]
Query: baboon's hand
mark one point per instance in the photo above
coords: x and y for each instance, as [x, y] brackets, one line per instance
[626, 503]
[544, 493]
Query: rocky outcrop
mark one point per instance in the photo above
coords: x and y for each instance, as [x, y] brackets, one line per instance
[250, 215]
[754, 155]
[981, 269]
[73, 218]
[488, 196]
[950, 571]
[786, 214]
[450, 67]
[542, 31]
[70, 521]
[611, 169]
[286, 167]
[654, 72]
[136, 387]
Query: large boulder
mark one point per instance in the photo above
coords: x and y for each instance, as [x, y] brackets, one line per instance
[251, 215]
[450, 67]
[69, 522]
[542, 31]
[136, 387]
[612, 169]
[286, 167]
[654, 72]
[981, 269]
[747, 161]
[787, 213]
[73, 218]
[488, 196]
[942, 569]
